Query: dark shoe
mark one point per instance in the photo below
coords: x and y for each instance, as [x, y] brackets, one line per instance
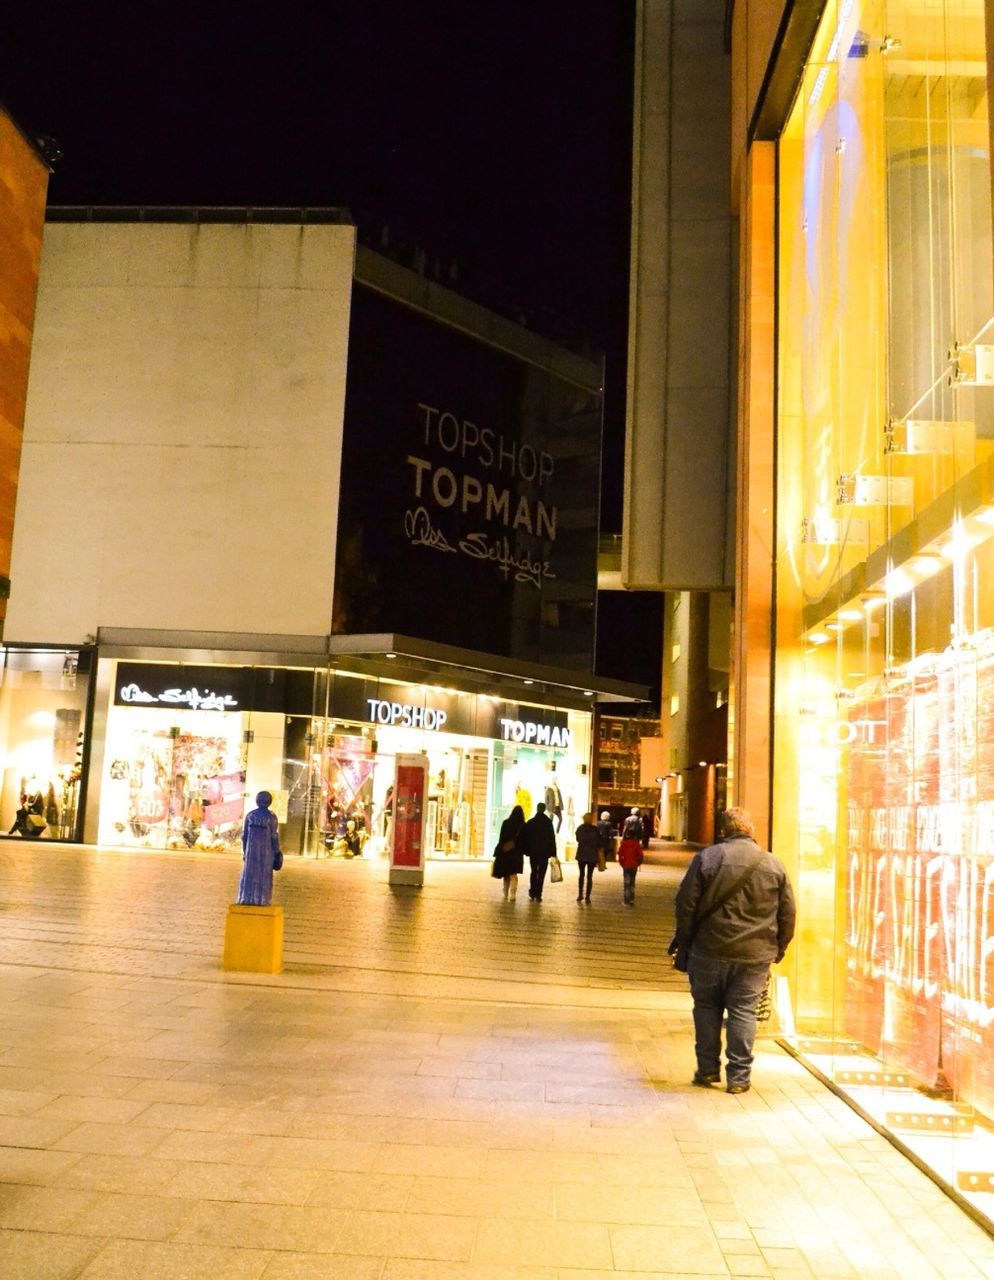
[705, 1081]
[587, 898]
[737, 1088]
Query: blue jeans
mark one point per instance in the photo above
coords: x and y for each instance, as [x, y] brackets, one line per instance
[629, 874]
[721, 987]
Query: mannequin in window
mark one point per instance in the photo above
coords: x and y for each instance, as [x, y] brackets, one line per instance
[29, 821]
[554, 803]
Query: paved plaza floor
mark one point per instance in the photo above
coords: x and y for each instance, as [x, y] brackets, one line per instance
[440, 1086]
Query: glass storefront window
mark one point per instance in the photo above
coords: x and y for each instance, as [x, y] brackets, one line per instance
[43, 703]
[187, 748]
[884, 690]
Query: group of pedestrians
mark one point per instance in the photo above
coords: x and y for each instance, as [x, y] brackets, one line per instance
[536, 841]
[735, 918]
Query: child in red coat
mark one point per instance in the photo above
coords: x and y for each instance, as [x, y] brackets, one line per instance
[630, 858]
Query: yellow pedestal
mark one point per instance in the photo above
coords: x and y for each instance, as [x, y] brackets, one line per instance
[253, 939]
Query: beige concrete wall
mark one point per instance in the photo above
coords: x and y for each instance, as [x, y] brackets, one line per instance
[23, 190]
[183, 432]
[677, 513]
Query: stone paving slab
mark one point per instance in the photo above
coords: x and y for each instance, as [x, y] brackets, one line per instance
[440, 1086]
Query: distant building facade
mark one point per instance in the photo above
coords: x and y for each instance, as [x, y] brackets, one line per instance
[312, 512]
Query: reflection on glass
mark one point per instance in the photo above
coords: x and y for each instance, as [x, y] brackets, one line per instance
[884, 715]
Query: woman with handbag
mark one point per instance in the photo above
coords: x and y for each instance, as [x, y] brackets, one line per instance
[261, 854]
[509, 857]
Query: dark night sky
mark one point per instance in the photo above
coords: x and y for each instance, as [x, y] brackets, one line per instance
[495, 133]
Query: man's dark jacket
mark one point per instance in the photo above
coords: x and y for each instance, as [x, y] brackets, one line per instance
[756, 925]
[538, 837]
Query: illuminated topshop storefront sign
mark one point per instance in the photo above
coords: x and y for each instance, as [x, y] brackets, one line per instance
[403, 713]
[410, 716]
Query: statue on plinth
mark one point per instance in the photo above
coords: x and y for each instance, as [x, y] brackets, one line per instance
[261, 854]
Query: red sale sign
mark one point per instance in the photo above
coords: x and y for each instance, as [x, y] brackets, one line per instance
[920, 874]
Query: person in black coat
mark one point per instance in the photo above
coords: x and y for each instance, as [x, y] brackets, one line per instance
[539, 840]
[509, 858]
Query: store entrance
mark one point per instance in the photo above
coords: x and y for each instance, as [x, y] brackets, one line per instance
[339, 781]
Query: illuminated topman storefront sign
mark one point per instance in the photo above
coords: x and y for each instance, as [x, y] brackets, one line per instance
[541, 735]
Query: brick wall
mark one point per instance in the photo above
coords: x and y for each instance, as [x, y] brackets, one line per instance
[23, 191]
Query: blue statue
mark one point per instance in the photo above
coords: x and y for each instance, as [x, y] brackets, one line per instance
[261, 854]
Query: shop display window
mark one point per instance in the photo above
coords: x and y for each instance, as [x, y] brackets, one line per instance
[884, 683]
[174, 780]
[43, 707]
[186, 749]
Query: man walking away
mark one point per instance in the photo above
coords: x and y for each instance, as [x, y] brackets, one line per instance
[539, 838]
[632, 829]
[734, 917]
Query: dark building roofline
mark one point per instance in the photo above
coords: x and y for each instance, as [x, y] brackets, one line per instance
[235, 214]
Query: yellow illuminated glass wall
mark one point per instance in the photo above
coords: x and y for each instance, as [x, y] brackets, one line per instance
[884, 675]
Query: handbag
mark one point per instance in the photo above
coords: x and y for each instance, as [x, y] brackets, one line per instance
[555, 871]
[36, 822]
[278, 860]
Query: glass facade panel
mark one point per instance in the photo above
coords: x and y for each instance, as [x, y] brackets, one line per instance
[43, 712]
[884, 692]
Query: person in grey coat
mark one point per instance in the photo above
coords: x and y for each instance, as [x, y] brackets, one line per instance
[735, 916]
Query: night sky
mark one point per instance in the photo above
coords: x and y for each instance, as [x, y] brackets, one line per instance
[496, 134]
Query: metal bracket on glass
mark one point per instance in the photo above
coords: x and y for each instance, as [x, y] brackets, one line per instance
[823, 531]
[873, 1076]
[875, 491]
[924, 435]
[972, 366]
[958, 1121]
[975, 1180]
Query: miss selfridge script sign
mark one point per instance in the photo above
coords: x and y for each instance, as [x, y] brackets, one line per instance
[476, 472]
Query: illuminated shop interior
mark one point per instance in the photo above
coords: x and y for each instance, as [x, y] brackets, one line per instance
[185, 749]
[884, 675]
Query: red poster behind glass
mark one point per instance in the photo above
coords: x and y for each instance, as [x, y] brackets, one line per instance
[407, 828]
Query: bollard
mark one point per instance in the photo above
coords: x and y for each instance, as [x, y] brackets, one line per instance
[253, 939]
